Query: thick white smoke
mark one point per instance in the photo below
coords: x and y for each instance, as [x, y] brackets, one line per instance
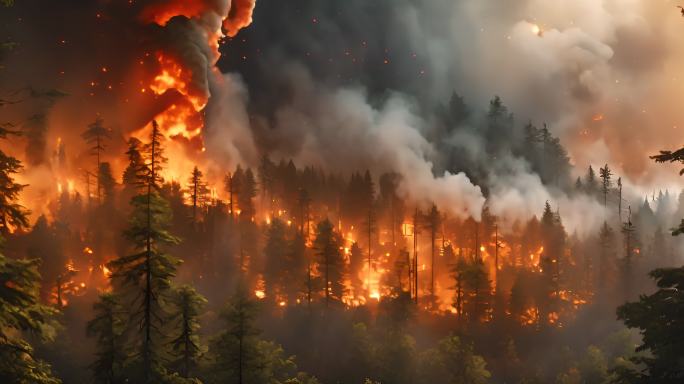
[339, 130]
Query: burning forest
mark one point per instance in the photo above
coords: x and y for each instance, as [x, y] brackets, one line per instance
[386, 192]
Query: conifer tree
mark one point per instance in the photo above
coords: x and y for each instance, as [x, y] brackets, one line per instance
[606, 255]
[134, 169]
[95, 136]
[197, 191]
[478, 287]
[433, 221]
[605, 173]
[186, 348]
[107, 183]
[234, 352]
[296, 264]
[330, 262]
[108, 328]
[12, 214]
[21, 311]
[20, 308]
[590, 183]
[275, 253]
[143, 278]
[248, 190]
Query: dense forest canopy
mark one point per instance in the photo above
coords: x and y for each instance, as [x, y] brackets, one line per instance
[322, 192]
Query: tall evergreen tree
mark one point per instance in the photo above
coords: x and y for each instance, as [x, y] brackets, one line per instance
[432, 222]
[108, 327]
[197, 191]
[330, 261]
[12, 214]
[590, 183]
[235, 355]
[185, 346]
[143, 278]
[275, 253]
[95, 136]
[605, 173]
[21, 311]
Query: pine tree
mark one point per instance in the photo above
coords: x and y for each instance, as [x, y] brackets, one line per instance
[143, 278]
[295, 267]
[20, 307]
[95, 136]
[235, 355]
[21, 311]
[458, 272]
[135, 168]
[12, 214]
[658, 317]
[605, 173]
[275, 253]
[248, 190]
[108, 328]
[107, 183]
[606, 263]
[330, 262]
[185, 347]
[433, 222]
[356, 262]
[478, 288]
[197, 191]
[590, 183]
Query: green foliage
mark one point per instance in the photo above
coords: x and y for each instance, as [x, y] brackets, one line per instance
[186, 347]
[453, 362]
[660, 318]
[473, 289]
[20, 311]
[235, 353]
[143, 278]
[108, 328]
[12, 214]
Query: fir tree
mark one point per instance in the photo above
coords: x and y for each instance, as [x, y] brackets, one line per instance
[108, 328]
[433, 222]
[21, 311]
[590, 183]
[143, 278]
[12, 214]
[197, 191]
[605, 173]
[248, 190]
[330, 262]
[275, 253]
[185, 347]
[235, 354]
[95, 136]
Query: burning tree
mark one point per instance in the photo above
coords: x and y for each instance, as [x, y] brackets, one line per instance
[197, 191]
[95, 136]
[330, 261]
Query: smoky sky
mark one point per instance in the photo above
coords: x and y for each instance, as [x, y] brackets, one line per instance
[609, 58]
[358, 84]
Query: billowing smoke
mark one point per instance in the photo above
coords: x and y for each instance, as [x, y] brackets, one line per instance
[338, 130]
[354, 85]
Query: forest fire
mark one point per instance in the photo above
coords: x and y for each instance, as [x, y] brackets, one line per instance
[308, 200]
